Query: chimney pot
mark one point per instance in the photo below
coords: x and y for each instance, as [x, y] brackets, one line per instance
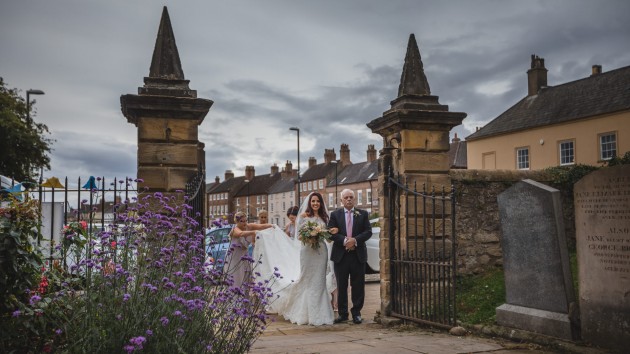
[596, 70]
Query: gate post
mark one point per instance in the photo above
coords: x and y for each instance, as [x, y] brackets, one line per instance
[415, 133]
[167, 114]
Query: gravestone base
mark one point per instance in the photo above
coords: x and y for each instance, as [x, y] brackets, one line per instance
[550, 323]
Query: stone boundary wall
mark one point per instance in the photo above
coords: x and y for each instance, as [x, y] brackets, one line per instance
[477, 222]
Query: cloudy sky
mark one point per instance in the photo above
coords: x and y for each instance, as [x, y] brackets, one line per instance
[326, 66]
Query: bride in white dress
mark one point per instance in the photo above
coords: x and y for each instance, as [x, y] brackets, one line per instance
[303, 297]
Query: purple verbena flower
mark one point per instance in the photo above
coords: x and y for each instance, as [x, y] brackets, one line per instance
[34, 300]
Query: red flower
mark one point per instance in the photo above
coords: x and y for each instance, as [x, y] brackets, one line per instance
[113, 244]
[43, 285]
[83, 224]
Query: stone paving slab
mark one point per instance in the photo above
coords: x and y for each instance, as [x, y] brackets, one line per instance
[282, 336]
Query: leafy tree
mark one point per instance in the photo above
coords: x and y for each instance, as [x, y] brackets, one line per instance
[24, 146]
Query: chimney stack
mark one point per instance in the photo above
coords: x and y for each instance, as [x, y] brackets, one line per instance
[344, 153]
[371, 153]
[312, 162]
[228, 174]
[456, 139]
[536, 76]
[288, 169]
[329, 156]
[274, 169]
[597, 69]
[216, 179]
[249, 173]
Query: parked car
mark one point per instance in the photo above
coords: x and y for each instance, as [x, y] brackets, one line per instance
[217, 244]
[373, 250]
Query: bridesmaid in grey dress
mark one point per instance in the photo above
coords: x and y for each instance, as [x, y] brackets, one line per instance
[241, 236]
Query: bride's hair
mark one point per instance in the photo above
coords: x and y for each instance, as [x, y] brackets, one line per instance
[322, 209]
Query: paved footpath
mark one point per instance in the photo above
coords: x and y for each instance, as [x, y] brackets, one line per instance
[369, 337]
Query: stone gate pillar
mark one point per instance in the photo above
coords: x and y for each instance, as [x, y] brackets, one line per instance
[415, 133]
[167, 114]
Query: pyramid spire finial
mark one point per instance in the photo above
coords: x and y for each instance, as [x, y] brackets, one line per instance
[413, 81]
[165, 63]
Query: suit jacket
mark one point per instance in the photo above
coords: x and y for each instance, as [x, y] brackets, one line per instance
[361, 230]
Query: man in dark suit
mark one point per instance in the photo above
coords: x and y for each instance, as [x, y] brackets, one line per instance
[350, 228]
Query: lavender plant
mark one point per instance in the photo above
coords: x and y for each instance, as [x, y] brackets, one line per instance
[144, 285]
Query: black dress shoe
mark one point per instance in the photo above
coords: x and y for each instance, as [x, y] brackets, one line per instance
[340, 319]
[357, 319]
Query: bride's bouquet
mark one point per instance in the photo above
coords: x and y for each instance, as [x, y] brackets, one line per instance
[311, 232]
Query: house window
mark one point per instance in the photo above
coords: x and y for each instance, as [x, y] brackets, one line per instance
[284, 206]
[567, 153]
[368, 196]
[331, 200]
[257, 199]
[264, 199]
[522, 158]
[238, 201]
[321, 184]
[359, 197]
[607, 146]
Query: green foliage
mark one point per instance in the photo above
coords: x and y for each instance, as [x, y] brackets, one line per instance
[567, 176]
[478, 296]
[624, 160]
[374, 215]
[24, 144]
[20, 259]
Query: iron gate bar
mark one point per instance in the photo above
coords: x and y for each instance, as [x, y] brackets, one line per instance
[423, 285]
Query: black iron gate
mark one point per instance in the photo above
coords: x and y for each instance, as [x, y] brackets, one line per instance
[422, 254]
[195, 193]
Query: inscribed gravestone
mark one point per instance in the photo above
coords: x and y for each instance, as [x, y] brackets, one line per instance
[538, 285]
[602, 223]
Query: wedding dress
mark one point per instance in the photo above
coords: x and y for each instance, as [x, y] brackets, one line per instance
[303, 293]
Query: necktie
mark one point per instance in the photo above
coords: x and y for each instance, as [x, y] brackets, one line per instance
[349, 223]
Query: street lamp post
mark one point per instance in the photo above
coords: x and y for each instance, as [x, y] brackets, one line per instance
[30, 92]
[298, 162]
[336, 182]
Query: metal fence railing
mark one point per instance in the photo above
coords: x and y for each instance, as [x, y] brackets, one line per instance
[96, 201]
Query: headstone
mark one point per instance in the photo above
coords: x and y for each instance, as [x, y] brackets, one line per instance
[538, 282]
[602, 223]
